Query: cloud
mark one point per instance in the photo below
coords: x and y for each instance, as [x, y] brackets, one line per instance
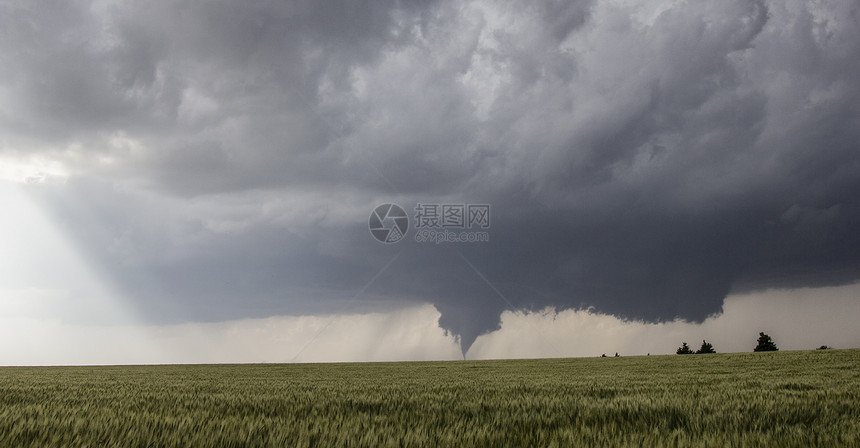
[404, 335]
[799, 319]
[218, 162]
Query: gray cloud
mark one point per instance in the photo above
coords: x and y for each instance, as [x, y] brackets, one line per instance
[223, 158]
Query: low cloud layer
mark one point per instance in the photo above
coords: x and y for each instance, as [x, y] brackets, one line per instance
[800, 319]
[214, 161]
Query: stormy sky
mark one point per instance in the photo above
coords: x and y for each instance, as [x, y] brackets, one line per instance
[203, 162]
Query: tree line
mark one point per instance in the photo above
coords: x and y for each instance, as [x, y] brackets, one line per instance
[764, 344]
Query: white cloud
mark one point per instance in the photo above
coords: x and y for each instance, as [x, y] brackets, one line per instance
[798, 319]
[31, 169]
[410, 334]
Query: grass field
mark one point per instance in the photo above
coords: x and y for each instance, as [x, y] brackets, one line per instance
[807, 398]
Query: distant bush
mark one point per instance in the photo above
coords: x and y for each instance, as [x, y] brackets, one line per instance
[706, 348]
[765, 344]
[684, 349]
[824, 347]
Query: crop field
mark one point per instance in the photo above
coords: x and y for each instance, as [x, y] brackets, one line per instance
[809, 398]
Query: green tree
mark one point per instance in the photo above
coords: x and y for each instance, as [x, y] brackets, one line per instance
[765, 344]
[684, 349]
[706, 348]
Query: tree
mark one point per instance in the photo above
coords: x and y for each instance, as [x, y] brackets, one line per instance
[684, 349]
[765, 344]
[706, 348]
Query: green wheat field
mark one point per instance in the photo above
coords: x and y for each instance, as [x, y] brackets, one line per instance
[802, 398]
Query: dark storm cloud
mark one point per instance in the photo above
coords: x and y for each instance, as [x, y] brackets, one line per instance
[646, 161]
